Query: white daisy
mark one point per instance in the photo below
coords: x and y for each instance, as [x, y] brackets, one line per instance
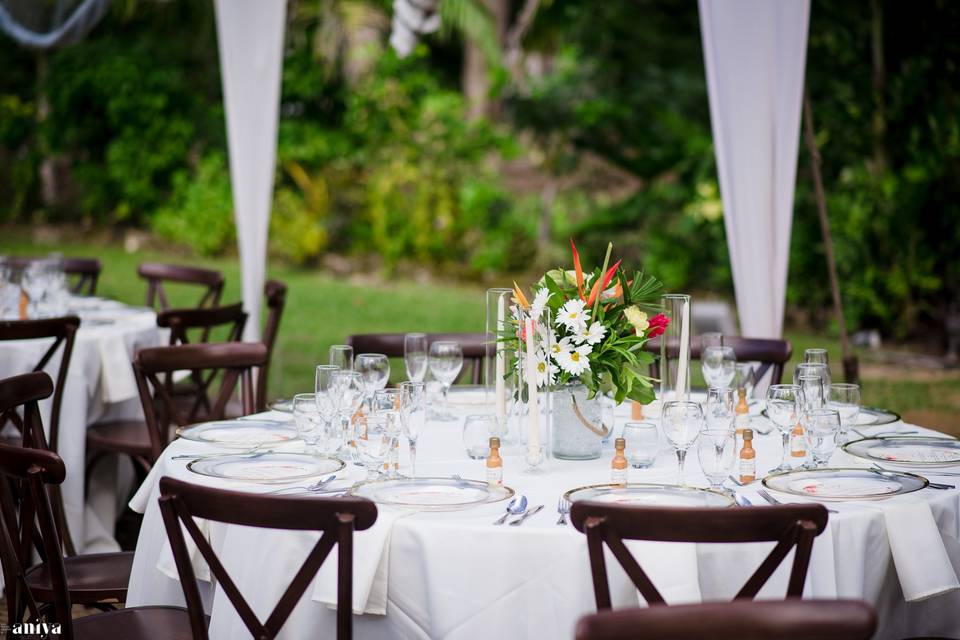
[539, 302]
[575, 361]
[573, 315]
[564, 345]
[546, 370]
[591, 335]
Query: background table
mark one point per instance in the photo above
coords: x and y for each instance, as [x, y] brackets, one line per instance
[454, 575]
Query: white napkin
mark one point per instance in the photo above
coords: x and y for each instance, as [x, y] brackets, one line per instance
[116, 373]
[671, 566]
[919, 555]
[371, 562]
[168, 566]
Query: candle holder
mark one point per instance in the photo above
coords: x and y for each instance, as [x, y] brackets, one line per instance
[501, 356]
[533, 387]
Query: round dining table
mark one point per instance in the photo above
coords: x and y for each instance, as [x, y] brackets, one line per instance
[455, 574]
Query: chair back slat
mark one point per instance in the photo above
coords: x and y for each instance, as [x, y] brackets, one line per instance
[156, 274]
[335, 518]
[790, 526]
[474, 346]
[770, 354]
[275, 293]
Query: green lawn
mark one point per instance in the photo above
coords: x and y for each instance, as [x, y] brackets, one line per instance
[323, 310]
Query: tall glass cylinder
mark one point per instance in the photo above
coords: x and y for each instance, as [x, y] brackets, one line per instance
[498, 386]
[675, 349]
[535, 373]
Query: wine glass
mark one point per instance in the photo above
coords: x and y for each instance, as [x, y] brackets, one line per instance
[844, 398]
[783, 408]
[386, 400]
[445, 361]
[413, 414]
[375, 438]
[682, 423]
[812, 369]
[374, 370]
[477, 430]
[415, 356]
[821, 427]
[341, 355]
[816, 356]
[710, 339]
[719, 408]
[716, 449]
[719, 364]
[746, 378]
[349, 392]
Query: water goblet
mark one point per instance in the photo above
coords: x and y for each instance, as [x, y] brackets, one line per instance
[719, 408]
[811, 393]
[477, 430]
[415, 356]
[716, 450]
[349, 398]
[413, 413]
[719, 365]
[812, 369]
[375, 438]
[341, 355]
[308, 420]
[374, 370]
[783, 408]
[844, 398]
[445, 361]
[643, 443]
[682, 423]
[710, 339]
[821, 427]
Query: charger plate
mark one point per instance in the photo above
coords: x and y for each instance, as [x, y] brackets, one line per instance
[240, 433]
[431, 494]
[650, 495]
[265, 468]
[907, 451]
[844, 484]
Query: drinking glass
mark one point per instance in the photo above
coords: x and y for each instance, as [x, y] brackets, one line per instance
[822, 427]
[783, 408]
[476, 435]
[375, 438]
[812, 369]
[415, 356]
[308, 420]
[720, 408]
[341, 355]
[349, 393]
[710, 339]
[643, 443]
[719, 365]
[811, 393]
[716, 449]
[844, 398]
[374, 370]
[746, 378]
[445, 360]
[413, 414]
[386, 400]
[816, 356]
[682, 423]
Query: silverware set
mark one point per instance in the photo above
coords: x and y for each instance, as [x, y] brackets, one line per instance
[932, 485]
[316, 486]
[516, 507]
[253, 452]
[769, 498]
[519, 521]
[563, 508]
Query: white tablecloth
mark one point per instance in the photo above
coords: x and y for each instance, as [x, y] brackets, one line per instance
[453, 575]
[96, 388]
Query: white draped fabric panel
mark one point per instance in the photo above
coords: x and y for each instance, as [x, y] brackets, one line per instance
[755, 54]
[250, 34]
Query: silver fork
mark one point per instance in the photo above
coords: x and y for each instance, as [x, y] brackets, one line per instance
[563, 508]
[319, 484]
[931, 484]
[253, 452]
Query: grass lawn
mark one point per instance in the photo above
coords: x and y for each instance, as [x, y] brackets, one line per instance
[323, 310]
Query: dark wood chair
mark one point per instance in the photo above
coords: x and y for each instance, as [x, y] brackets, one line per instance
[391, 345]
[791, 619]
[144, 441]
[82, 273]
[275, 293]
[32, 526]
[157, 274]
[790, 526]
[92, 579]
[772, 355]
[336, 518]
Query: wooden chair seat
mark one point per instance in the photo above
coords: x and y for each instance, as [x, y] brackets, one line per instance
[91, 578]
[141, 623]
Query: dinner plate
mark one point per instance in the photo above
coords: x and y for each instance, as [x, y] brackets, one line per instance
[240, 433]
[650, 495]
[431, 494]
[907, 451]
[265, 468]
[844, 484]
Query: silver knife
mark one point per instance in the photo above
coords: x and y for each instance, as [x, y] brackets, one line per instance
[520, 520]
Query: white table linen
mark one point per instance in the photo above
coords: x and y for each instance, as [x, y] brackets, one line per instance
[454, 575]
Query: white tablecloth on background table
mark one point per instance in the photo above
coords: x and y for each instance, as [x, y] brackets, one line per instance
[100, 385]
[454, 575]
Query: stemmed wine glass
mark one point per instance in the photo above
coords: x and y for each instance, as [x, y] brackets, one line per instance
[374, 370]
[844, 398]
[719, 365]
[341, 355]
[349, 391]
[719, 408]
[682, 423]
[821, 427]
[413, 416]
[415, 356]
[445, 360]
[325, 395]
[716, 449]
[783, 409]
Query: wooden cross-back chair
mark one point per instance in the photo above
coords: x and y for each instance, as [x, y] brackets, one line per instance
[144, 441]
[92, 579]
[156, 274]
[473, 345]
[791, 619]
[32, 524]
[336, 518]
[63, 331]
[82, 273]
[790, 526]
[770, 354]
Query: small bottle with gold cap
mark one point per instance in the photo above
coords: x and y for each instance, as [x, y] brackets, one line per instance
[742, 412]
[798, 445]
[748, 458]
[494, 464]
[618, 466]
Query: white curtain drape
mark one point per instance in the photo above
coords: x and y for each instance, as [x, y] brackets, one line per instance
[250, 34]
[755, 54]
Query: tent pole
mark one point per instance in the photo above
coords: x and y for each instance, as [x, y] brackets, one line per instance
[850, 366]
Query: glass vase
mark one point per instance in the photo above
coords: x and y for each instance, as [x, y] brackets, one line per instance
[499, 387]
[533, 388]
[675, 350]
[578, 429]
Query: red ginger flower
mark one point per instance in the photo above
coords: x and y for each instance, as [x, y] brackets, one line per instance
[658, 324]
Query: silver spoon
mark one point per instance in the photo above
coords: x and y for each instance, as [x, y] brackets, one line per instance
[516, 506]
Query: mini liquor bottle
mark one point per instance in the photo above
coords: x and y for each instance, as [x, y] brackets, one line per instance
[742, 420]
[618, 466]
[494, 464]
[748, 458]
[798, 444]
[636, 411]
[24, 304]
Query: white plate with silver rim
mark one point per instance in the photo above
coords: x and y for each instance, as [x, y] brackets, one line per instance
[240, 433]
[650, 495]
[908, 451]
[844, 484]
[431, 494]
[265, 468]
